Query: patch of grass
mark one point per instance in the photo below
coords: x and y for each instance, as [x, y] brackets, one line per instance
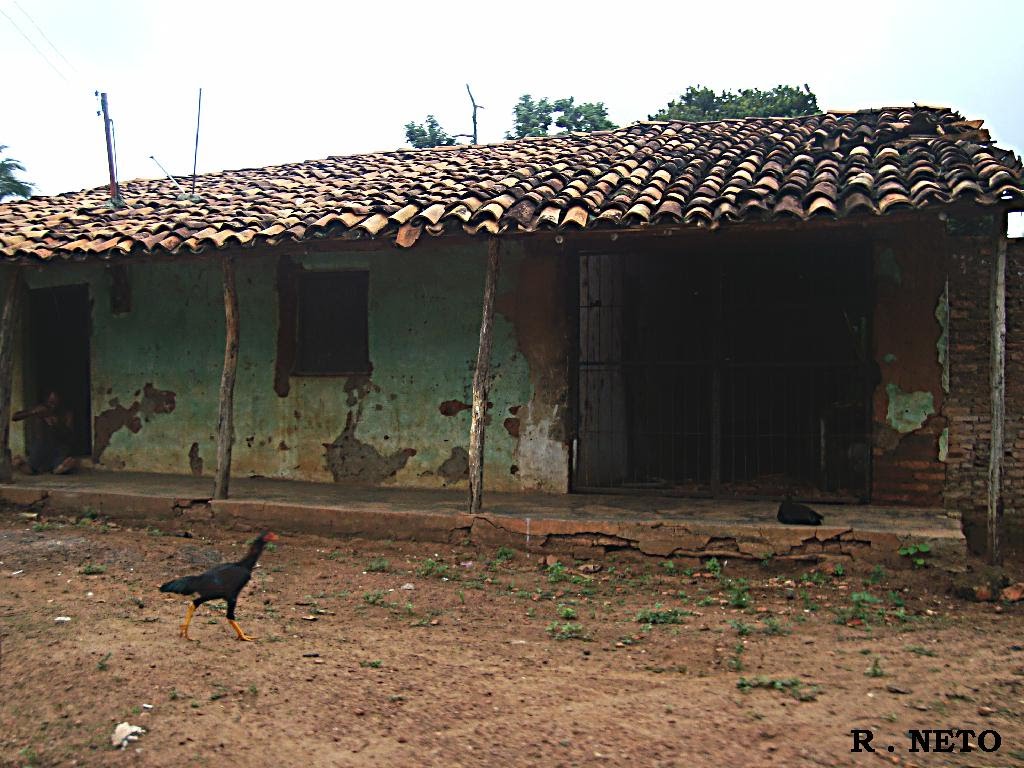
[154, 532]
[567, 631]
[858, 611]
[378, 565]
[772, 626]
[566, 612]
[875, 670]
[735, 662]
[253, 689]
[713, 567]
[669, 566]
[431, 568]
[557, 572]
[92, 569]
[896, 599]
[809, 604]
[877, 576]
[40, 527]
[374, 664]
[741, 629]
[705, 601]
[920, 650]
[174, 695]
[504, 555]
[659, 615]
[376, 597]
[102, 665]
[738, 593]
[789, 685]
[839, 571]
[815, 577]
[336, 555]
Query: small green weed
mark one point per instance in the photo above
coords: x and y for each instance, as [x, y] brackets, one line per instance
[374, 664]
[713, 567]
[875, 670]
[566, 612]
[772, 626]
[741, 629]
[916, 553]
[738, 593]
[659, 615]
[557, 572]
[102, 665]
[431, 568]
[92, 569]
[790, 685]
[378, 565]
[376, 597]
[567, 631]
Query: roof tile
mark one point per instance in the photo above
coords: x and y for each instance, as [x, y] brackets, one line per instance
[669, 172]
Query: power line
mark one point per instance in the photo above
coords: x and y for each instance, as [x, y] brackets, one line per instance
[44, 36]
[29, 40]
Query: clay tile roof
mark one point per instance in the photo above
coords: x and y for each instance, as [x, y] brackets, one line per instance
[651, 173]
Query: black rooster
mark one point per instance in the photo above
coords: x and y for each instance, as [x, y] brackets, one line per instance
[792, 513]
[222, 582]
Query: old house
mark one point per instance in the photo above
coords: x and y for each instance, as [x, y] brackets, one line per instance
[752, 308]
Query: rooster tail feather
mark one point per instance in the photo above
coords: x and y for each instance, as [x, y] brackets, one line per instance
[184, 586]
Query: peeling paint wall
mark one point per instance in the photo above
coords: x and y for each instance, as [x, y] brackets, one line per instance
[156, 371]
[910, 266]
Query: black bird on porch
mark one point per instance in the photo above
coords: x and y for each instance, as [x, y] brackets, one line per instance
[792, 513]
[222, 582]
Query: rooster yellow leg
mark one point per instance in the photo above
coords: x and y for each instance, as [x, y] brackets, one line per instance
[188, 620]
[238, 630]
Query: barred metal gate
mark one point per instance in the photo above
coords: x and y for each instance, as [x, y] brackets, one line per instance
[724, 376]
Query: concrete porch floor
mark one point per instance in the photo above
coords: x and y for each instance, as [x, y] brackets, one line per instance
[579, 524]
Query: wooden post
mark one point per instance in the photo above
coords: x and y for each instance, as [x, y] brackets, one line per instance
[226, 418]
[481, 381]
[998, 399]
[9, 318]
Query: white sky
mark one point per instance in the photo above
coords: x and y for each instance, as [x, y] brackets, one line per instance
[303, 80]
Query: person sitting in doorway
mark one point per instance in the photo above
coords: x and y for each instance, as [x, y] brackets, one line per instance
[48, 438]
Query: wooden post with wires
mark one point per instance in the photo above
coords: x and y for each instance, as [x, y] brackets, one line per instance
[116, 200]
[8, 320]
[997, 380]
[226, 415]
[481, 379]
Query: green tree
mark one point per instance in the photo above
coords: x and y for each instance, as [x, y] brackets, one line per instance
[534, 117]
[700, 103]
[427, 134]
[10, 185]
[590, 116]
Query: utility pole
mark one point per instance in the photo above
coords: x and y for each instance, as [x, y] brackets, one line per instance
[115, 191]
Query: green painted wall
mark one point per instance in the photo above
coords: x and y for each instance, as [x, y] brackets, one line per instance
[424, 317]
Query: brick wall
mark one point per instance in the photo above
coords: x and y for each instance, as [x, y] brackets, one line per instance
[972, 245]
[912, 264]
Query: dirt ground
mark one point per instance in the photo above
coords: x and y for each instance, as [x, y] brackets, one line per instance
[385, 653]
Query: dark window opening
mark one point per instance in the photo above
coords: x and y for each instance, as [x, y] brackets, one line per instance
[726, 374]
[332, 328]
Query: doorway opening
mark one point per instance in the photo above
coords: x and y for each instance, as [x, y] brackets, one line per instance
[729, 374]
[57, 355]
